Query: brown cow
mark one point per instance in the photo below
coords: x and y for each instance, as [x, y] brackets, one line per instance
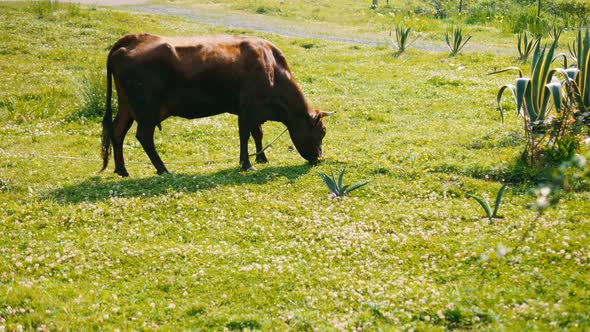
[194, 77]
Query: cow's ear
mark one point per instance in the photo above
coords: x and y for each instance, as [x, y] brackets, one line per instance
[325, 114]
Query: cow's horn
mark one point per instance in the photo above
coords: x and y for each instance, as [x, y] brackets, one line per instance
[325, 114]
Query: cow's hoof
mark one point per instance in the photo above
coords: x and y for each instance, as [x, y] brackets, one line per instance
[261, 159]
[163, 172]
[122, 173]
[249, 168]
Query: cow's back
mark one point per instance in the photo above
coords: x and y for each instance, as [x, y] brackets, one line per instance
[198, 76]
[191, 56]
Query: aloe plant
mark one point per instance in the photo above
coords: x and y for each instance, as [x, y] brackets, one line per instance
[336, 186]
[537, 95]
[402, 40]
[490, 214]
[580, 50]
[526, 46]
[456, 41]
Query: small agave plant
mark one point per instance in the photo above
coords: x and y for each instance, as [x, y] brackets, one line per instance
[490, 214]
[402, 38]
[456, 40]
[336, 186]
[526, 46]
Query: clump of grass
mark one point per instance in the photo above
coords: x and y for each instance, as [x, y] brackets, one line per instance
[30, 106]
[455, 40]
[8, 105]
[92, 96]
[490, 214]
[249, 324]
[45, 8]
[337, 187]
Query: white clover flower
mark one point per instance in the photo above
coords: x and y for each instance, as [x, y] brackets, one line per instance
[501, 250]
[543, 198]
[579, 160]
[542, 202]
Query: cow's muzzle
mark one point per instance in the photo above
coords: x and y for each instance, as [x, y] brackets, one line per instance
[317, 157]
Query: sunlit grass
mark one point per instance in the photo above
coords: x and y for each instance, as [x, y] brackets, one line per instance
[210, 247]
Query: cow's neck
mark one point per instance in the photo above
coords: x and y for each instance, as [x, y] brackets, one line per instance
[294, 109]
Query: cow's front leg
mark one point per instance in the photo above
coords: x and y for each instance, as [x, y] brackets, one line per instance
[145, 136]
[257, 136]
[244, 129]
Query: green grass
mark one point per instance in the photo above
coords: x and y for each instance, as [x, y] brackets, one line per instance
[211, 247]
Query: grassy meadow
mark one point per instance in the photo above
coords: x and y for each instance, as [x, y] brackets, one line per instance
[210, 247]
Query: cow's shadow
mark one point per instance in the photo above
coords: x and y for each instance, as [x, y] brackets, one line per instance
[100, 188]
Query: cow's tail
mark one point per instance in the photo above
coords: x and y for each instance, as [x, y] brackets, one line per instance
[107, 120]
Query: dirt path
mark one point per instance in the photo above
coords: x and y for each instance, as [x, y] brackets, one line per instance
[218, 16]
[104, 2]
[239, 20]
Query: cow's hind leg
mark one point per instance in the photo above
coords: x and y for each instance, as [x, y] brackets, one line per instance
[145, 136]
[257, 136]
[121, 125]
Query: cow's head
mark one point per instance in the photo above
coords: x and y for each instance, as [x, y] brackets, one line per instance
[308, 134]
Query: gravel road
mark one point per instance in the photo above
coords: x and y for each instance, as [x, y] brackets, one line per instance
[238, 20]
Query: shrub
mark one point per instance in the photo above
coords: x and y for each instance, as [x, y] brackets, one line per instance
[518, 20]
[574, 12]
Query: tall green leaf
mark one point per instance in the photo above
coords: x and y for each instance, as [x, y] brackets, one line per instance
[483, 204]
[330, 183]
[498, 200]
